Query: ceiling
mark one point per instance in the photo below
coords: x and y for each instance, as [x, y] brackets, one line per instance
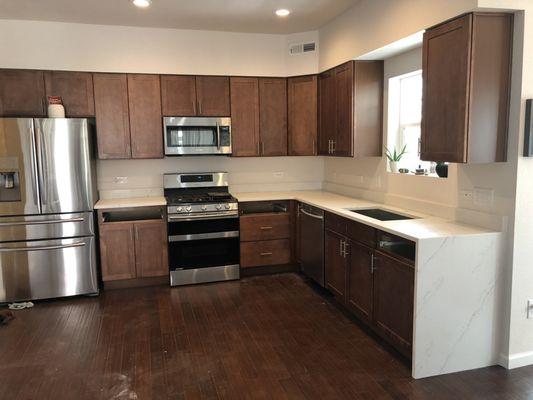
[220, 15]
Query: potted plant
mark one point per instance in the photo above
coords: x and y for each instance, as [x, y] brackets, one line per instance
[394, 157]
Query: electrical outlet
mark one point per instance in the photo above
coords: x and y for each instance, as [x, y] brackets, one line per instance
[530, 308]
[279, 175]
[466, 195]
[120, 180]
[483, 197]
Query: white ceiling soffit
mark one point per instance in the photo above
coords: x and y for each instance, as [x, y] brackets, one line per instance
[218, 15]
[400, 46]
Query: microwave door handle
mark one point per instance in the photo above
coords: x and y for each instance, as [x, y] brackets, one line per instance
[218, 136]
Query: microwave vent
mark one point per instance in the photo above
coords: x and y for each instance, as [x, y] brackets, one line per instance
[301, 48]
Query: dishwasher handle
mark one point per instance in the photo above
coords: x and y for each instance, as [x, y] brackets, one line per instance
[311, 215]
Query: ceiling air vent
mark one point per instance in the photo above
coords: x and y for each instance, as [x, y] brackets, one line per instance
[302, 48]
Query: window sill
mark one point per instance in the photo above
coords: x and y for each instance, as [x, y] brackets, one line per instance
[432, 176]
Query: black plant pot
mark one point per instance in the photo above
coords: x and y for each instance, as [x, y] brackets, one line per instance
[442, 170]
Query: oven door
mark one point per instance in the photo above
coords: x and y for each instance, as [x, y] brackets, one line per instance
[203, 243]
[197, 136]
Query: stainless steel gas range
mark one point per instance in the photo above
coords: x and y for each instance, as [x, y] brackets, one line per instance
[203, 228]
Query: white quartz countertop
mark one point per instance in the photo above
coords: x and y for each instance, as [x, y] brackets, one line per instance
[131, 202]
[421, 227]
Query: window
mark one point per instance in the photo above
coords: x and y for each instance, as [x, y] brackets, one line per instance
[405, 114]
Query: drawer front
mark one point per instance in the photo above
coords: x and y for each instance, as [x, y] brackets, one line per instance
[268, 252]
[265, 227]
[336, 223]
[361, 233]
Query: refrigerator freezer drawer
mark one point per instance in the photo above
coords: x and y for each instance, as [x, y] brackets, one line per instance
[47, 268]
[41, 227]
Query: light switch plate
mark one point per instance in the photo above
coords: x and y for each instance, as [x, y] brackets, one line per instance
[530, 308]
[466, 195]
[121, 179]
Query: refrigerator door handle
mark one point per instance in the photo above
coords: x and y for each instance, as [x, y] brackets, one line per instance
[34, 169]
[44, 222]
[40, 166]
[39, 248]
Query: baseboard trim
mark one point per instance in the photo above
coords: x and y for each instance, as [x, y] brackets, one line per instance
[516, 360]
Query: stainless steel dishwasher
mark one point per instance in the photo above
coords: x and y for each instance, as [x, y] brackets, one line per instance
[312, 242]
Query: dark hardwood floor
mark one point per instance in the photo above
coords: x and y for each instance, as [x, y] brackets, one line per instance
[267, 337]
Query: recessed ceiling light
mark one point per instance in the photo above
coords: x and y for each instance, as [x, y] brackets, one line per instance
[282, 12]
[142, 3]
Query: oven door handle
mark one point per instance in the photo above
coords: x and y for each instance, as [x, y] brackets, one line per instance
[203, 236]
[176, 218]
[218, 136]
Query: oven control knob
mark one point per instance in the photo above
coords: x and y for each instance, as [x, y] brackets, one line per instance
[227, 206]
[204, 208]
[188, 208]
[218, 206]
[179, 209]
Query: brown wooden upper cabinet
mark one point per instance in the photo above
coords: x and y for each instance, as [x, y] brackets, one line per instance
[350, 110]
[302, 115]
[189, 96]
[213, 96]
[22, 93]
[128, 116]
[245, 116]
[273, 116]
[466, 73]
[146, 125]
[75, 89]
[112, 116]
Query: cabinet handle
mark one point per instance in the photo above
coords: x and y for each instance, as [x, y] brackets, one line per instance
[199, 107]
[314, 146]
[266, 253]
[329, 146]
[333, 145]
[346, 245]
[340, 247]
[372, 264]
[263, 228]
[262, 148]
[258, 148]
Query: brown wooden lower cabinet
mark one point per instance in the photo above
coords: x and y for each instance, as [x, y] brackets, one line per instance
[336, 267]
[375, 285]
[132, 248]
[393, 300]
[265, 252]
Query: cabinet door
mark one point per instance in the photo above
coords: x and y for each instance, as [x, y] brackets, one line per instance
[151, 249]
[112, 116]
[146, 125]
[178, 95]
[75, 89]
[22, 93]
[302, 115]
[273, 116]
[327, 112]
[446, 76]
[213, 96]
[335, 265]
[359, 297]
[245, 116]
[117, 251]
[344, 81]
[393, 300]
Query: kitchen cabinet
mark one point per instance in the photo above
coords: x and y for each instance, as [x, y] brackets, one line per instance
[112, 116]
[302, 115]
[213, 96]
[22, 93]
[466, 82]
[133, 243]
[266, 234]
[360, 281]
[336, 265]
[75, 90]
[116, 256]
[350, 109]
[144, 99]
[178, 95]
[245, 116]
[273, 116]
[393, 300]
[372, 274]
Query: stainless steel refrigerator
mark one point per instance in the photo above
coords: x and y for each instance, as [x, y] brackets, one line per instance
[47, 195]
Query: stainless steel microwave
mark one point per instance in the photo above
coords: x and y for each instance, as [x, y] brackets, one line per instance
[197, 136]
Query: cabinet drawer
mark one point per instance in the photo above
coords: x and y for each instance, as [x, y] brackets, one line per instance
[361, 233]
[336, 223]
[268, 252]
[265, 227]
